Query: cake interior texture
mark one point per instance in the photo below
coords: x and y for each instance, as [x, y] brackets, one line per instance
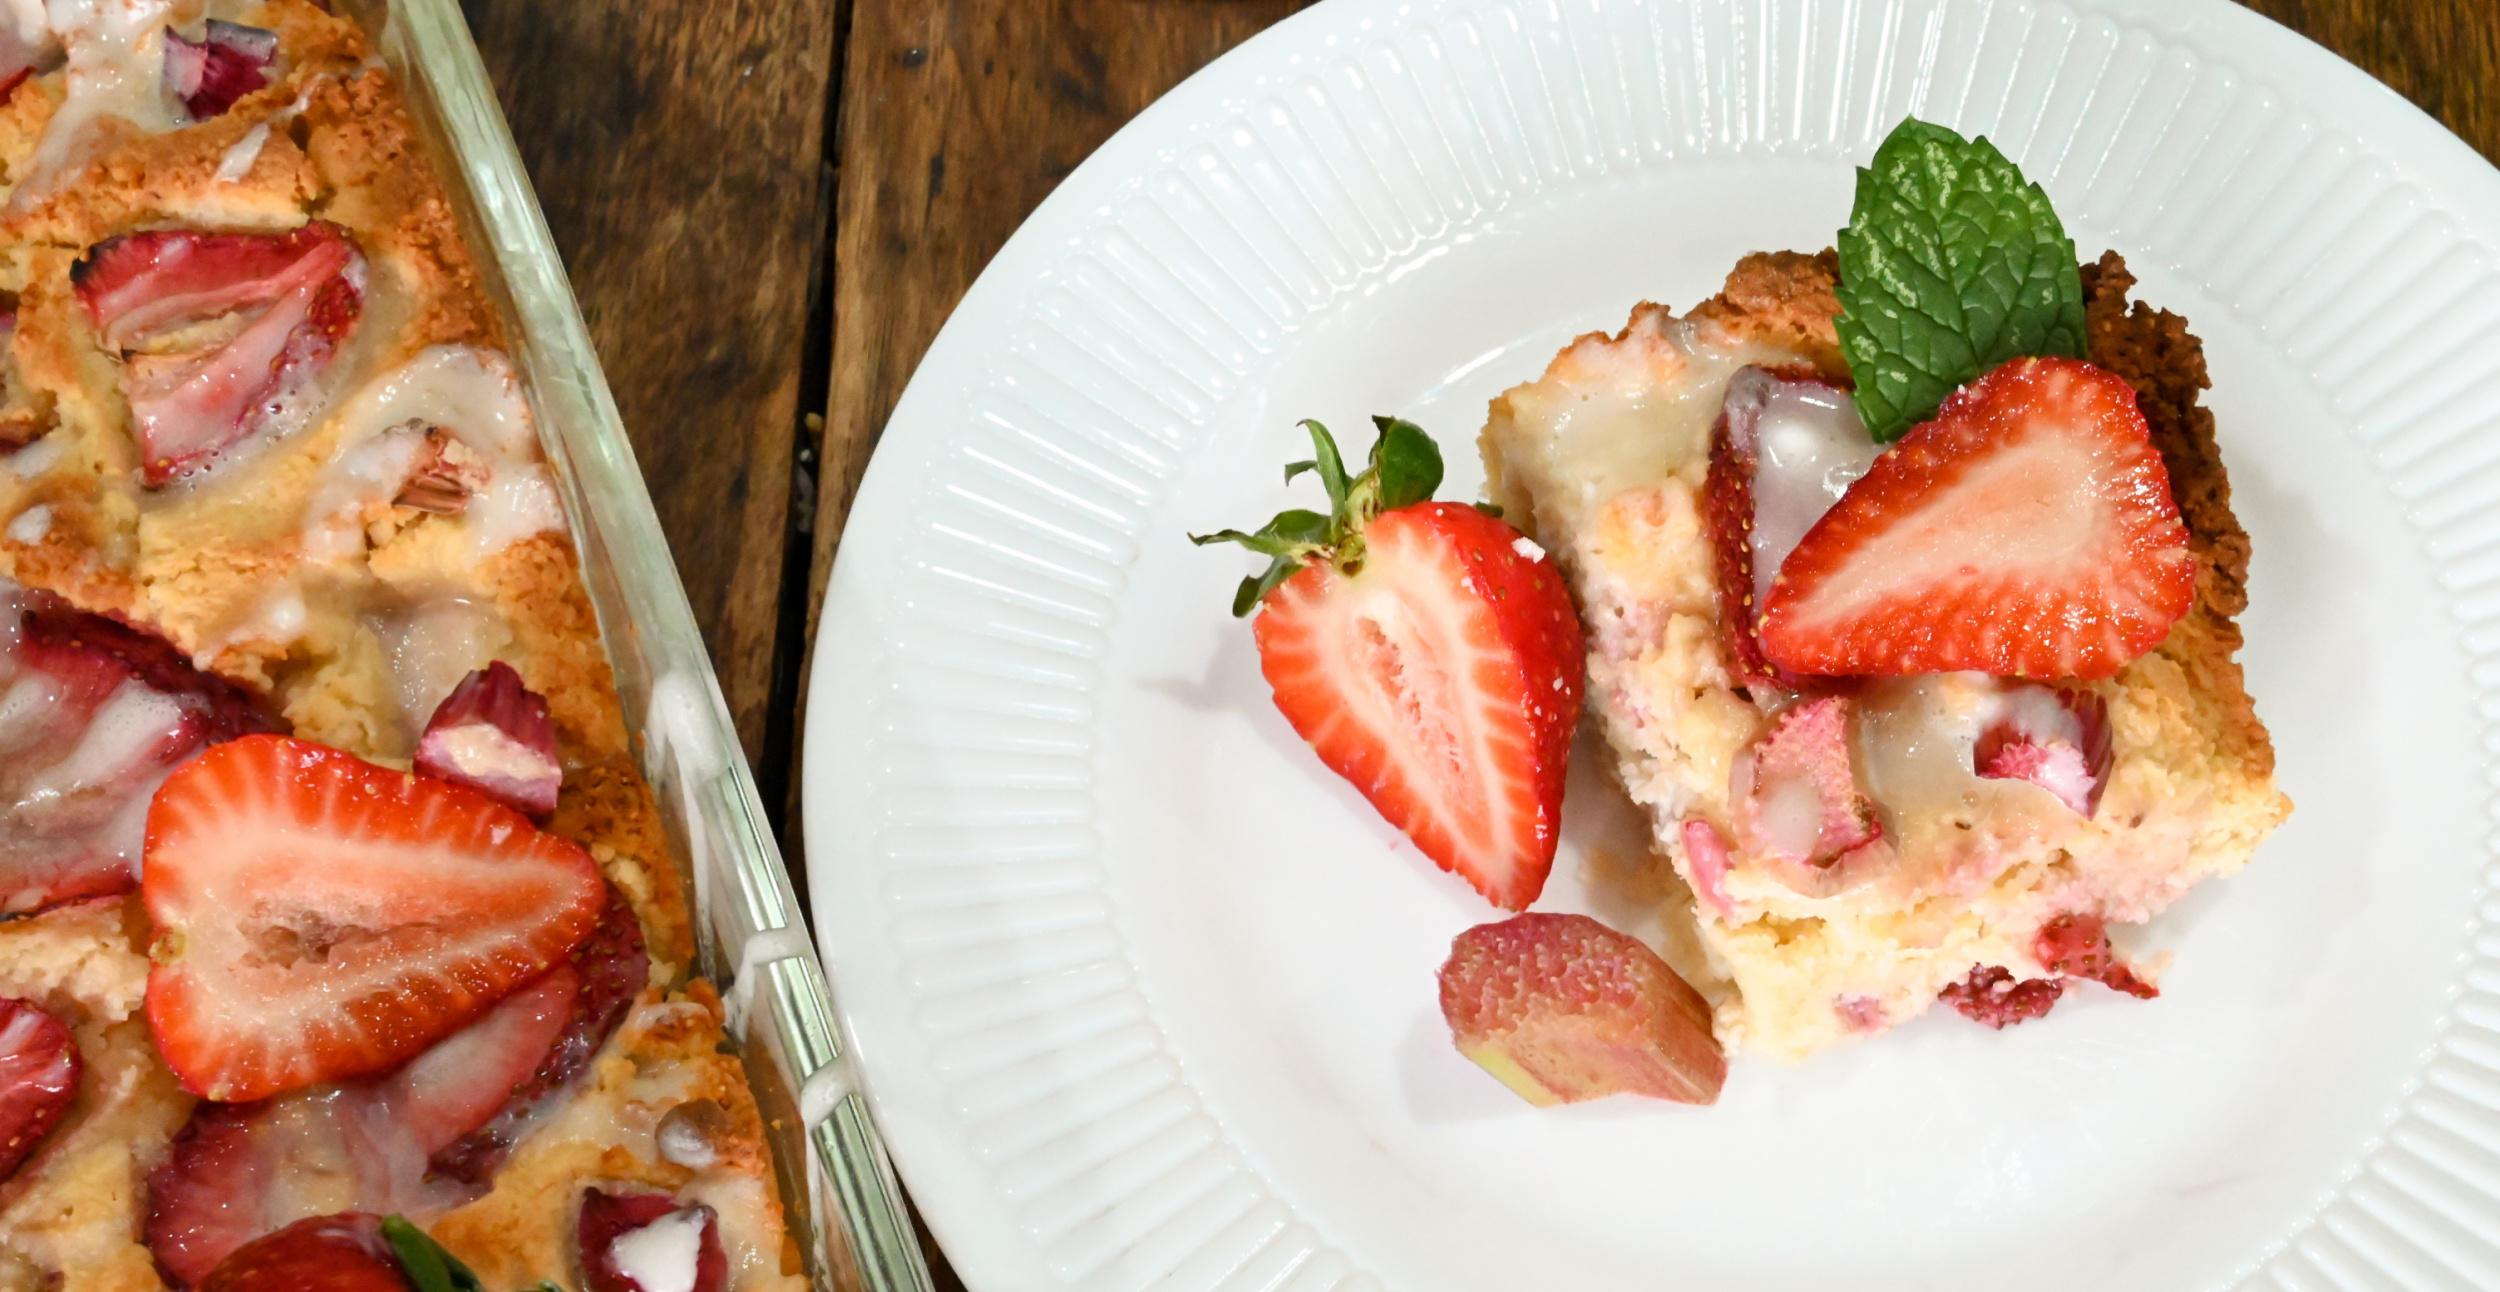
[1604, 461]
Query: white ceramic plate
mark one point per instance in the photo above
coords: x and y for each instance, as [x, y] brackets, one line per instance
[1144, 996]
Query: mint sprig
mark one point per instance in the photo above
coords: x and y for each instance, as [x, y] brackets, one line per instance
[1404, 469]
[1952, 264]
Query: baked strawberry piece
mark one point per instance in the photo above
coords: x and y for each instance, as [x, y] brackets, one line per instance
[94, 715]
[39, 1067]
[649, 1242]
[1429, 655]
[221, 335]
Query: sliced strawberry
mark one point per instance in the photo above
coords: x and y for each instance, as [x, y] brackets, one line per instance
[93, 716]
[319, 917]
[229, 61]
[1785, 446]
[345, 1252]
[2028, 531]
[1561, 1008]
[1796, 793]
[612, 968]
[493, 735]
[39, 1066]
[2054, 737]
[235, 1171]
[222, 334]
[649, 1242]
[1429, 654]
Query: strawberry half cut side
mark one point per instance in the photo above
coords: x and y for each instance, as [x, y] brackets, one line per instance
[1785, 444]
[319, 917]
[1428, 654]
[221, 334]
[2028, 531]
[39, 1067]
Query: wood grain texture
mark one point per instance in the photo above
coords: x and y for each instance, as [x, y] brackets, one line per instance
[677, 147]
[2444, 55]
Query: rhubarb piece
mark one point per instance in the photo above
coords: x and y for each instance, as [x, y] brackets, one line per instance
[648, 1242]
[1796, 794]
[2054, 737]
[229, 61]
[1561, 1008]
[1991, 996]
[319, 917]
[493, 735]
[345, 1252]
[235, 1171]
[39, 1066]
[2028, 531]
[447, 474]
[2077, 946]
[1429, 655]
[93, 716]
[1705, 851]
[222, 334]
[1785, 447]
[612, 968]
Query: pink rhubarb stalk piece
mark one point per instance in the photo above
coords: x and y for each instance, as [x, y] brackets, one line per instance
[272, 308]
[493, 735]
[39, 1066]
[1705, 851]
[1561, 1008]
[670, 1244]
[2057, 738]
[1797, 794]
[229, 61]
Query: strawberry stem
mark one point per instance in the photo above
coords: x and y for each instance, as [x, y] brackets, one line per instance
[1404, 469]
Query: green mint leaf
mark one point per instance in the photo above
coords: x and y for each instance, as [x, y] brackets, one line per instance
[1406, 463]
[1952, 264]
[428, 1267]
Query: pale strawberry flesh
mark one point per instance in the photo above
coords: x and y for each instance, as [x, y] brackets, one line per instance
[2027, 531]
[1561, 1009]
[234, 1172]
[39, 1067]
[345, 1252]
[493, 734]
[1443, 680]
[2057, 738]
[1796, 791]
[229, 61]
[1786, 444]
[94, 715]
[222, 334]
[620, 1233]
[319, 917]
[612, 969]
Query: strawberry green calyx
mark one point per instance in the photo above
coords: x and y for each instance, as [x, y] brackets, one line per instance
[1404, 469]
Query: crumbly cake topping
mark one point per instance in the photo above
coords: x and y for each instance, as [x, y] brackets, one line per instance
[376, 523]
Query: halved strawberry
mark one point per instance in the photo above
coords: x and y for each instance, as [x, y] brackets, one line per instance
[1429, 654]
[39, 1066]
[2028, 531]
[320, 917]
[345, 1252]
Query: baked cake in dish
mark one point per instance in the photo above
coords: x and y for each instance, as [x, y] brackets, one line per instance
[1859, 848]
[275, 528]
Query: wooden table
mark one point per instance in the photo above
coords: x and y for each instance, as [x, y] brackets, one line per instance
[769, 206]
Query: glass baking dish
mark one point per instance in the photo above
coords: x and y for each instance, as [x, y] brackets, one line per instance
[838, 1187]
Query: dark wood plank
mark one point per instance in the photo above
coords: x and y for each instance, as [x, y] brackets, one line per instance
[2444, 55]
[677, 146]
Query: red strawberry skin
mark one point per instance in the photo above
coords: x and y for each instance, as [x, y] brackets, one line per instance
[39, 1067]
[608, 1217]
[2028, 531]
[1443, 680]
[341, 1253]
[320, 917]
